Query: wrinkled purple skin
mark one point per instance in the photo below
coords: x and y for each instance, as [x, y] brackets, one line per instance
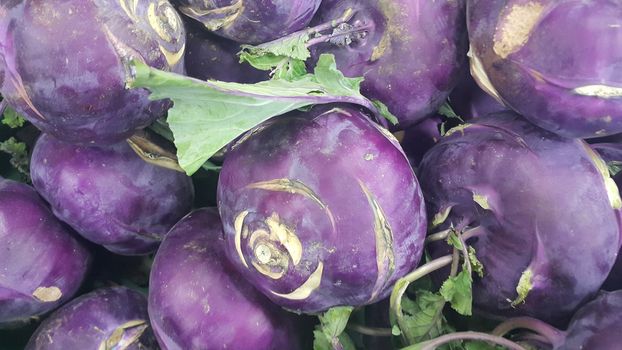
[612, 152]
[211, 57]
[37, 255]
[198, 300]
[411, 56]
[251, 21]
[310, 214]
[419, 138]
[109, 195]
[88, 322]
[568, 238]
[597, 325]
[544, 56]
[469, 101]
[68, 78]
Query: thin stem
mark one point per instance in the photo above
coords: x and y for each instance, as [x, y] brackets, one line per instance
[329, 37]
[455, 263]
[371, 331]
[528, 337]
[473, 232]
[458, 336]
[345, 17]
[438, 236]
[553, 335]
[396, 312]
[465, 253]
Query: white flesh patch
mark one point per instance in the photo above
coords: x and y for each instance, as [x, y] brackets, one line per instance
[515, 27]
[47, 294]
[238, 226]
[305, 290]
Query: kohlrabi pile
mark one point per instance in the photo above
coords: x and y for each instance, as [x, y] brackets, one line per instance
[310, 174]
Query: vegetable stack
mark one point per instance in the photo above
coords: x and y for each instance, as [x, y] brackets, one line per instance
[310, 174]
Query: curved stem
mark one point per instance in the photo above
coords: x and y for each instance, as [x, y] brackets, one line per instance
[371, 331]
[396, 312]
[473, 232]
[467, 233]
[448, 338]
[553, 335]
[527, 337]
[438, 236]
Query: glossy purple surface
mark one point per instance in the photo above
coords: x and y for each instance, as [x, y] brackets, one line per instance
[62, 63]
[565, 77]
[209, 56]
[542, 204]
[41, 264]
[597, 325]
[310, 211]
[411, 55]
[198, 300]
[612, 152]
[108, 318]
[109, 195]
[251, 21]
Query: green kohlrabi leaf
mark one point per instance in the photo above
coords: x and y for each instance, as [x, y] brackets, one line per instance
[335, 320]
[330, 334]
[322, 342]
[384, 111]
[454, 241]
[423, 316]
[19, 154]
[294, 47]
[458, 292]
[614, 167]
[476, 265]
[12, 119]
[285, 57]
[447, 111]
[208, 115]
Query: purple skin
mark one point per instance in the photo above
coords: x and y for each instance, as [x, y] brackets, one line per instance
[419, 138]
[68, 78]
[612, 152]
[533, 56]
[42, 264]
[211, 57]
[251, 21]
[108, 318]
[310, 215]
[109, 195]
[410, 55]
[509, 182]
[469, 101]
[597, 325]
[198, 300]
